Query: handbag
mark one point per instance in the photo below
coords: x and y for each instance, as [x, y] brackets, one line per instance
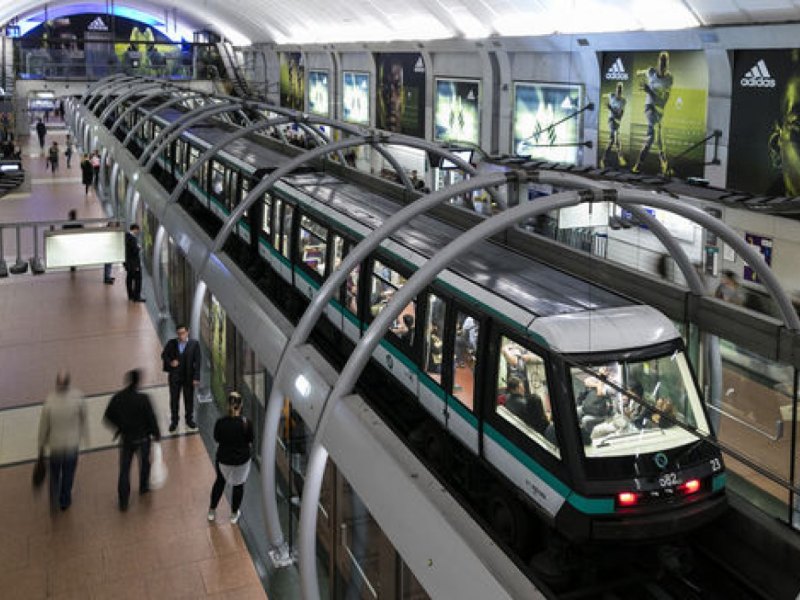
[158, 468]
[39, 471]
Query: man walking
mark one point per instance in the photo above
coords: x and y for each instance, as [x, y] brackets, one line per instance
[181, 359]
[133, 264]
[130, 412]
[41, 131]
[62, 425]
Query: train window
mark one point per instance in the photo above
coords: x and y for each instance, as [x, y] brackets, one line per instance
[312, 244]
[466, 346]
[217, 180]
[351, 290]
[232, 188]
[522, 397]
[434, 337]
[385, 282]
[286, 229]
[632, 407]
[266, 225]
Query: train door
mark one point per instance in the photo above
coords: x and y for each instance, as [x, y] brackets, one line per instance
[344, 310]
[463, 336]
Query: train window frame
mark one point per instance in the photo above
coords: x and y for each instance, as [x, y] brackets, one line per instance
[511, 423]
[323, 246]
[457, 336]
[267, 224]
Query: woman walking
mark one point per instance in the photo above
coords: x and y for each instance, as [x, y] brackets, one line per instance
[87, 173]
[234, 434]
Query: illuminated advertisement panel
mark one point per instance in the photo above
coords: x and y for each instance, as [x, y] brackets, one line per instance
[764, 144]
[318, 99]
[653, 112]
[355, 97]
[401, 93]
[292, 80]
[546, 121]
[457, 110]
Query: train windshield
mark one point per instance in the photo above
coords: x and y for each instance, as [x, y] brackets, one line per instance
[629, 407]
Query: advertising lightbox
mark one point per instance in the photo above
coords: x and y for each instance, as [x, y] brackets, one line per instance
[355, 97]
[546, 121]
[457, 111]
[318, 93]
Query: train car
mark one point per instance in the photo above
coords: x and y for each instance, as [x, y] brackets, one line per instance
[531, 391]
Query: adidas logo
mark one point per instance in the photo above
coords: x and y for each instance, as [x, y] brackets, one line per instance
[617, 71]
[97, 25]
[419, 66]
[758, 76]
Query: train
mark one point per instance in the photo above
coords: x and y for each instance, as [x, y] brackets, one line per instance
[548, 402]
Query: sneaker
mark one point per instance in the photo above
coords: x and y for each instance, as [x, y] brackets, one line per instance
[235, 517]
[212, 515]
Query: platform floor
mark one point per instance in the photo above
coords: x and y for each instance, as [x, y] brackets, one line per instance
[163, 546]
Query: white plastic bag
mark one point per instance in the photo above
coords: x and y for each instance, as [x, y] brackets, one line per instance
[158, 468]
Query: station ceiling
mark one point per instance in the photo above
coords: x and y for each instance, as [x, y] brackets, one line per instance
[337, 21]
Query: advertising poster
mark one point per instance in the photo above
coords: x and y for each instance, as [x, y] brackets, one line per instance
[401, 93]
[764, 145]
[292, 80]
[762, 245]
[355, 97]
[457, 111]
[653, 112]
[546, 121]
[318, 93]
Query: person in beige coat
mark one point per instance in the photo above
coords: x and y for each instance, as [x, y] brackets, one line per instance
[62, 426]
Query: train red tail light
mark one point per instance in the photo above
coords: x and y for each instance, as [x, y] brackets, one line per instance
[690, 487]
[627, 498]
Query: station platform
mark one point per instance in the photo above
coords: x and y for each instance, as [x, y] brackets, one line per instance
[163, 546]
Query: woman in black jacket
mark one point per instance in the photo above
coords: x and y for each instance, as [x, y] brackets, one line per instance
[234, 434]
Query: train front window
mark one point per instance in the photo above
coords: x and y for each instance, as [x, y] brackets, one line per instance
[634, 407]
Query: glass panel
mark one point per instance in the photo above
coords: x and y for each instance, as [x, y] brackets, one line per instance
[466, 346]
[286, 230]
[522, 396]
[434, 344]
[385, 282]
[351, 290]
[617, 424]
[313, 244]
[266, 224]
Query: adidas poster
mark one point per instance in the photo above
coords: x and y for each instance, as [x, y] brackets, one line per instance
[292, 80]
[401, 93]
[653, 112]
[763, 151]
[456, 111]
[546, 121]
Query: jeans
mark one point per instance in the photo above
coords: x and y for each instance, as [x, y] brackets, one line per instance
[126, 452]
[62, 475]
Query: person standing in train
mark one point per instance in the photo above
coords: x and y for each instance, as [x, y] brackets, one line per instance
[181, 359]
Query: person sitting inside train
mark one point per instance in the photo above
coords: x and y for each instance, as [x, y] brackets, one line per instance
[528, 407]
[517, 358]
[594, 403]
[404, 329]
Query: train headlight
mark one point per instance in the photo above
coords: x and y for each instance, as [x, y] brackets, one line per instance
[627, 498]
[690, 487]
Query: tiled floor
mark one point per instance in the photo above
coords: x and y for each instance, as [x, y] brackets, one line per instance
[162, 547]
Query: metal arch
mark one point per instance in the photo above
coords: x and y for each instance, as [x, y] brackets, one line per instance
[303, 329]
[166, 104]
[107, 91]
[196, 165]
[177, 127]
[742, 248]
[100, 84]
[664, 236]
[121, 118]
[122, 97]
[372, 337]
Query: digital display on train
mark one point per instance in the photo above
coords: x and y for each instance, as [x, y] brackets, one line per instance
[318, 93]
[355, 97]
[547, 122]
[457, 110]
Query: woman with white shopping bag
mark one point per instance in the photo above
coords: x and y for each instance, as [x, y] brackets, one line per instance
[234, 434]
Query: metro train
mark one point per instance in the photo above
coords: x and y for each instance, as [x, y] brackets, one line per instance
[531, 391]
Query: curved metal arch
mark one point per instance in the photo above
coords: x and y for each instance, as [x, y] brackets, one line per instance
[143, 100]
[166, 104]
[232, 137]
[107, 91]
[100, 84]
[176, 128]
[123, 97]
[372, 337]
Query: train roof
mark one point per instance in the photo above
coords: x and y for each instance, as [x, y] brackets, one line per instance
[532, 285]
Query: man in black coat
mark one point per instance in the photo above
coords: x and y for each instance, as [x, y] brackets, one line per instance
[527, 407]
[181, 359]
[133, 264]
[131, 414]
